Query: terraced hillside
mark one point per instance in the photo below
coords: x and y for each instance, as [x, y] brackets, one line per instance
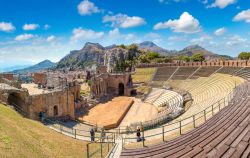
[21, 137]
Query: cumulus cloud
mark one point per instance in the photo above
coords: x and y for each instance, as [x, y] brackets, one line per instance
[243, 16]
[220, 31]
[30, 27]
[203, 39]
[85, 34]
[236, 40]
[6, 27]
[87, 8]
[24, 37]
[221, 3]
[123, 20]
[51, 38]
[115, 34]
[46, 26]
[186, 24]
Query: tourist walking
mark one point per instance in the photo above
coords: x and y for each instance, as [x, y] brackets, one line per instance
[138, 134]
[92, 135]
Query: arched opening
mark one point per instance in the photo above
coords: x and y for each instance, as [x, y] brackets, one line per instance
[121, 89]
[55, 109]
[15, 99]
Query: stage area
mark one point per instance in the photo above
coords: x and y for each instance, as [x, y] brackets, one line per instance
[110, 114]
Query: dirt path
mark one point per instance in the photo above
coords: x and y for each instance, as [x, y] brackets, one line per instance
[139, 111]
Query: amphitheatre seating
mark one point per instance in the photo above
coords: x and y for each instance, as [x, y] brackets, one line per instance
[153, 95]
[229, 70]
[207, 91]
[164, 73]
[244, 73]
[164, 98]
[169, 98]
[183, 73]
[226, 134]
[205, 72]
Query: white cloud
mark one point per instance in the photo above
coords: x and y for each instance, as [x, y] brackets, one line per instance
[123, 20]
[24, 37]
[6, 27]
[203, 39]
[220, 31]
[236, 40]
[30, 27]
[51, 38]
[186, 24]
[46, 26]
[85, 34]
[177, 38]
[243, 16]
[221, 3]
[115, 34]
[87, 8]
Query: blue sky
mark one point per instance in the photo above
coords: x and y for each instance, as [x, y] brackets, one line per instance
[31, 31]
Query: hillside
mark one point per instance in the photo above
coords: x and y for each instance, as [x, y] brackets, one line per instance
[90, 53]
[21, 137]
[150, 46]
[38, 67]
[194, 49]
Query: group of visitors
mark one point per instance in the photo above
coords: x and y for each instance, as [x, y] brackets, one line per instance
[92, 135]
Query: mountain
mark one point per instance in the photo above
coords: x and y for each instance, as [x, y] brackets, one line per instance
[195, 49]
[150, 46]
[38, 67]
[89, 54]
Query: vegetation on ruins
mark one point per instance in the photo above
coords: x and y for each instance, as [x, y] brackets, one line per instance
[197, 57]
[244, 56]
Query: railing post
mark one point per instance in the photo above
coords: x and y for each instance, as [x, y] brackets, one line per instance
[108, 142]
[101, 150]
[75, 133]
[194, 120]
[143, 139]
[60, 127]
[180, 127]
[205, 117]
[87, 150]
[213, 110]
[163, 134]
[219, 105]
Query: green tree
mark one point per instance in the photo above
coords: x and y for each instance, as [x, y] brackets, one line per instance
[244, 56]
[153, 55]
[197, 57]
[184, 58]
[143, 59]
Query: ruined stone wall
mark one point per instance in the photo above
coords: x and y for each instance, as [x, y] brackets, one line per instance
[8, 76]
[108, 84]
[40, 78]
[64, 100]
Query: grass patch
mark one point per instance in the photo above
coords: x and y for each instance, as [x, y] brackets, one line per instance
[21, 137]
[143, 75]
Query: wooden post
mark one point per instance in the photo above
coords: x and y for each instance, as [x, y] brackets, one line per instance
[75, 133]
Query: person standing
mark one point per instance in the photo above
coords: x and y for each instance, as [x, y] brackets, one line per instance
[138, 134]
[92, 135]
